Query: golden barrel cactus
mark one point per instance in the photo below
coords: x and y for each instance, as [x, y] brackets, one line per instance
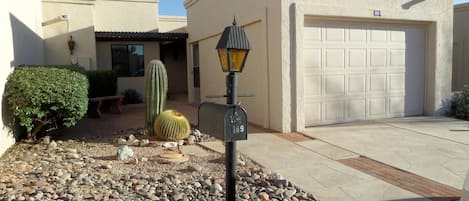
[171, 125]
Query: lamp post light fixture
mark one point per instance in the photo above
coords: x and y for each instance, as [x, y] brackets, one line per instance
[233, 48]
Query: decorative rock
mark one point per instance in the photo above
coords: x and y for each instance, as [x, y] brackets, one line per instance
[131, 137]
[168, 145]
[275, 176]
[143, 159]
[73, 156]
[124, 152]
[107, 166]
[134, 161]
[180, 142]
[263, 196]
[215, 188]
[121, 141]
[70, 150]
[52, 144]
[290, 193]
[46, 140]
[241, 162]
[144, 142]
[191, 140]
[194, 167]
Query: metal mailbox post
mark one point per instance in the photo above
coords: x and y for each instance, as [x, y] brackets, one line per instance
[224, 122]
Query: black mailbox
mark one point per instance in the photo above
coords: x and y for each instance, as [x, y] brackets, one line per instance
[224, 122]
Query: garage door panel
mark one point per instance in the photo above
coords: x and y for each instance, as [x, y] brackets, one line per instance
[378, 58]
[377, 83]
[313, 59]
[378, 34]
[313, 86]
[357, 58]
[335, 85]
[356, 109]
[397, 58]
[396, 106]
[335, 58]
[314, 112]
[334, 111]
[357, 34]
[358, 71]
[377, 107]
[396, 82]
[335, 34]
[398, 35]
[357, 84]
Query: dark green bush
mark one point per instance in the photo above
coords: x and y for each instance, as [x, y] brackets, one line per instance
[131, 96]
[102, 83]
[44, 98]
[460, 104]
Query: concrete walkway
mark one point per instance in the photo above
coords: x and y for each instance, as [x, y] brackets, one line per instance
[311, 165]
[432, 147]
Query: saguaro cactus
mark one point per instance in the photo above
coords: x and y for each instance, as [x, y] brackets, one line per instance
[156, 86]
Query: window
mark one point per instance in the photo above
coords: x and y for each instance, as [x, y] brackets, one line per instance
[195, 65]
[128, 60]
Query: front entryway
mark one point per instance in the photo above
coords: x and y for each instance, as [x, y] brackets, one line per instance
[360, 71]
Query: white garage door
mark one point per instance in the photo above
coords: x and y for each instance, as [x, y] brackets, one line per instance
[359, 71]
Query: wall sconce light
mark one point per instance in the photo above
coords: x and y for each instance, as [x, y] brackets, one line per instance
[71, 45]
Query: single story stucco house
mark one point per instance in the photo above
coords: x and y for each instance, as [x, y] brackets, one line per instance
[323, 62]
[460, 46]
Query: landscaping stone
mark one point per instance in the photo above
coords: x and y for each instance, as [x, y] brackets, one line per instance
[144, 142]
[124, 153]
[93, 173]
[46, 140]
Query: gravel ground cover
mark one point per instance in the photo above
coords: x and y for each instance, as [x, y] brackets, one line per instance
[78, 170]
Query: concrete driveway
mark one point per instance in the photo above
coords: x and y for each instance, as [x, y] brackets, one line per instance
[432, 147]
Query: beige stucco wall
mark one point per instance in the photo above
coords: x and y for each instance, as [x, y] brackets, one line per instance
[21, 44]
[172, 24]
[254, 79]
[460, 47]
[132, 16]
[80, 25]
[103, 51]
[283, 21]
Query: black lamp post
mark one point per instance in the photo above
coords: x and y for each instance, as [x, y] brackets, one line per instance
[233, 48]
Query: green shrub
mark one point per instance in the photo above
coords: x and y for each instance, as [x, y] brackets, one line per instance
[102, 83]
[460, 104]
[68, 67]
[44, 98]
[131, 96]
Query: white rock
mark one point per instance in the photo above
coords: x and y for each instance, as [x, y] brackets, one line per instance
[132, 137]
[181, 142]
[196, 133]
[73, 156]
[191, 139]
[134, 142]
[143, 159]
[144, 142]
[168, 145]
[52, 144]
[124, 152]
[70, 150]
[275, 176]
[121, 141]
[46, 140]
